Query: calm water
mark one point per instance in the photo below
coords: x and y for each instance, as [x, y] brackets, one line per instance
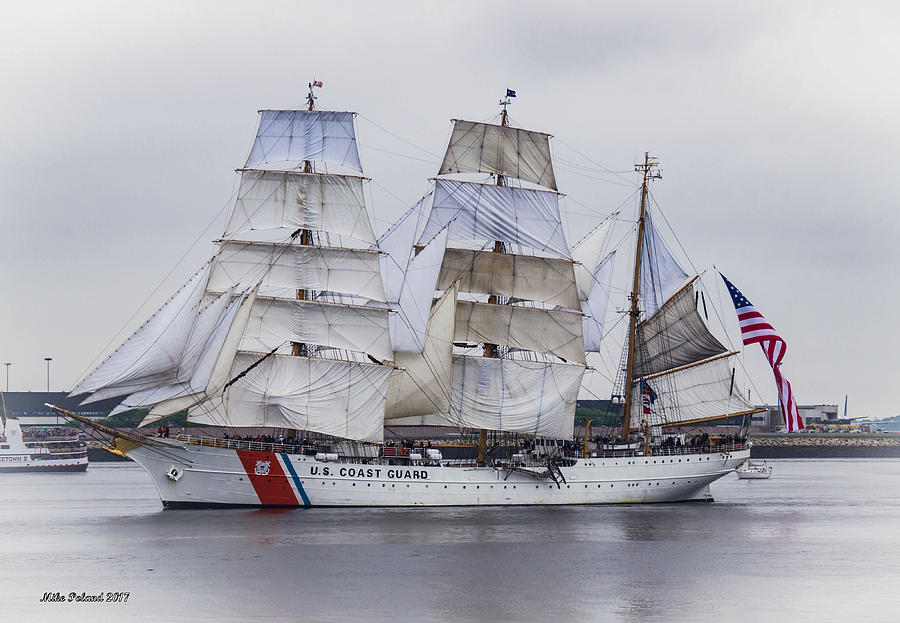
[819, 541]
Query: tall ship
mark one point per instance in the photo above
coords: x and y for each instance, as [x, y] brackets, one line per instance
[471, 311]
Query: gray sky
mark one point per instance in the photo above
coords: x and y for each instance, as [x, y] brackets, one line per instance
[777, 128]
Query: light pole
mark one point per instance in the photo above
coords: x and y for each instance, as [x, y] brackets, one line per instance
[48, 360]
[7, 364]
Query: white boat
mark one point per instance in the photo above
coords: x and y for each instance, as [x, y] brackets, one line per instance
[305, 321]
[754, 470]
[40, 449]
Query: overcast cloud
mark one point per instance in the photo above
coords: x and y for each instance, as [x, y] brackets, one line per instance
[777, 128]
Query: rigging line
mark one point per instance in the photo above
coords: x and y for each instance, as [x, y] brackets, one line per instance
[626, 237]
[605, 357]
[618, 209]
[388, 191]
[604, 375]
[592, 177]
[594, 162]
[572, 163]
[396, 153]
[407, 214]
[399, 138]
[659, 211]
[591, 392]
[116, 335]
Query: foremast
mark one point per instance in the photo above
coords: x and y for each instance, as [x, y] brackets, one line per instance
[326, 338]
[286, 327]
[649, 170]
[297, 348]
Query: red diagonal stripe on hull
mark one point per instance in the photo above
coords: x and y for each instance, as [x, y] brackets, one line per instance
[273, 489]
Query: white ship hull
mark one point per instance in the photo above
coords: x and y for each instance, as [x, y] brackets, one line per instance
[188, 475]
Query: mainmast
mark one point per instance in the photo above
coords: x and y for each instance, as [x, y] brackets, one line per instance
[650, 172]
[524, 281]
[490, 350]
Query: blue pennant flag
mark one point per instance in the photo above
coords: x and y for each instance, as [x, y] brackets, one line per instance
[510, 93]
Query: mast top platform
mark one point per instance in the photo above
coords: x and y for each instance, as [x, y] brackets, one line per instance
[649, 167]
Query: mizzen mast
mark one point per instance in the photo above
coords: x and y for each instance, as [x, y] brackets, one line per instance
[649, 169]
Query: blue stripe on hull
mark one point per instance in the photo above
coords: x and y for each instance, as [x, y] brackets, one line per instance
[287, 463]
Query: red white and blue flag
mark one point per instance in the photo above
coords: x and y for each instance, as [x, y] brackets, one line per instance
[648, 396]
[756, 330]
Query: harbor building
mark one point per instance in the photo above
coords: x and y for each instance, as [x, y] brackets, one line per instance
[771, 419]
[29, 407]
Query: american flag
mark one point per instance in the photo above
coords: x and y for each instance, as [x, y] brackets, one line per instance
[755, 330]
[316, 83]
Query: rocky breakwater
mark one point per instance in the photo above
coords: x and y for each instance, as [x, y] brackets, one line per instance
[825, 445]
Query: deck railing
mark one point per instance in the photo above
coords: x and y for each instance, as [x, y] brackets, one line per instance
[401, 452]
[240, 444]
[664, 451]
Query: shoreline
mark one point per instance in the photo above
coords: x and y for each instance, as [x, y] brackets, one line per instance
[824, 445]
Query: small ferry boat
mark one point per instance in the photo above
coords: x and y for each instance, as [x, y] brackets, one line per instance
[754, 470]
[44, 448]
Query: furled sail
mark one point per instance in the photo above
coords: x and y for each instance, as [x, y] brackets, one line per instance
[544, 279]
[513, 395]
[409, 324]
[594, 308]
[529, 328]
[340, 398]
[277, 321]
[280, 199]
[518, 216]
[706, 390]
[675, 335]
[587, 254]
[502, 150]
[661, 275]
[284, 267]
[152, 355]
[288, 137]
[421, 384]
